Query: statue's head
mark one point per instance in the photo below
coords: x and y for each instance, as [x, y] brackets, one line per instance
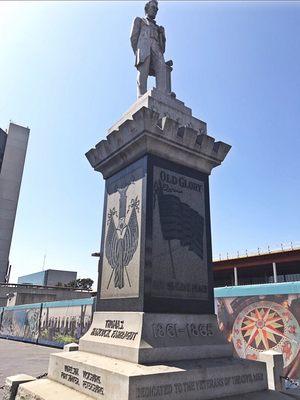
[151, 9]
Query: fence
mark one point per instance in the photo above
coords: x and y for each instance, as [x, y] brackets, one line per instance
[50, 323]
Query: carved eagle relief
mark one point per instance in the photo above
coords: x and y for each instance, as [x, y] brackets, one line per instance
[122, 240]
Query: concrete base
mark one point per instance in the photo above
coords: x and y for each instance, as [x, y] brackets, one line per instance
[264, 395]
[44, 389]
[292, 393]
[12, 384]
[112, 379]
[165, 105]
[153, 338]
[200, 363]
[49, 390]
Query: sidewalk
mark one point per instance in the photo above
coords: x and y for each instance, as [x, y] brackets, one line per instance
[19, 357]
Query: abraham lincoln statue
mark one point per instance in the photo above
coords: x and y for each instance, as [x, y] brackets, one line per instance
[148, 42]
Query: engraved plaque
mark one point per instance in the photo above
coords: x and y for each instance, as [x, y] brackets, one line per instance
[122, 236]
[179, 252]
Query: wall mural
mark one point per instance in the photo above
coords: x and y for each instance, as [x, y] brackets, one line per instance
[62, 325]
[21, 323]
[259, 323]
[55, 326]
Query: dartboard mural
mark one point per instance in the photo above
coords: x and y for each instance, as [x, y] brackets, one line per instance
[266, 325]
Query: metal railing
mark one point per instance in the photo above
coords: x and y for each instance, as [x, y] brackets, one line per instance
[268, 249]
[29, 286]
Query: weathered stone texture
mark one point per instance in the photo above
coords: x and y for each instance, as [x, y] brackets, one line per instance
[12, 383]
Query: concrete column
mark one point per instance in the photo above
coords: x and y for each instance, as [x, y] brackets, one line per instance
[274, 272]
[10, 183]
[274, 363]
[235, 276]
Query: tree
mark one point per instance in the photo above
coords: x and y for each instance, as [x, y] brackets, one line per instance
[83, 284]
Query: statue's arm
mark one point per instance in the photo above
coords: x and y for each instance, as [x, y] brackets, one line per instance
[135, 33]
[162, 37]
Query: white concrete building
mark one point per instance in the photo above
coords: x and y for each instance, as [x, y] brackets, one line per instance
[13, 146]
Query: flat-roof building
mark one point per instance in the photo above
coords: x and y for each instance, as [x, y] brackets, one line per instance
[49, 277]
[269, 267]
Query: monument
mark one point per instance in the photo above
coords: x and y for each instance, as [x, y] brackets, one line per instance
[154, 334]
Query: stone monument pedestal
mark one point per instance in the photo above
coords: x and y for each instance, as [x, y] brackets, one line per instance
[154, 335]
[144, 338]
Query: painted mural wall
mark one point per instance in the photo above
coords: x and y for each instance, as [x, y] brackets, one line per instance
[52, 323]
[21, 323]
[261, 322]
[64, 324]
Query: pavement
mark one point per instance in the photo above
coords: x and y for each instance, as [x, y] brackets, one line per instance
[19, 357]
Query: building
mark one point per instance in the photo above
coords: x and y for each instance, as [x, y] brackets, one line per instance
[270, 267]
[49, 277]
[13, 146]
[12, 294]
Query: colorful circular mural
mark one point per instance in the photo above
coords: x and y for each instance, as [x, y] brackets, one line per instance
[266, 325]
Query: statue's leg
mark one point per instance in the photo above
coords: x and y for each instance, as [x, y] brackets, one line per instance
[160, 72]
[142, 76]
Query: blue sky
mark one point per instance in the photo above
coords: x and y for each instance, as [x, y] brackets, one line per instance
[67, 73]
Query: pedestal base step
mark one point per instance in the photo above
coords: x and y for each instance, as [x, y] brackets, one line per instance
[112, 379]
[264, 395]
[46, 389]
[293, 393]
